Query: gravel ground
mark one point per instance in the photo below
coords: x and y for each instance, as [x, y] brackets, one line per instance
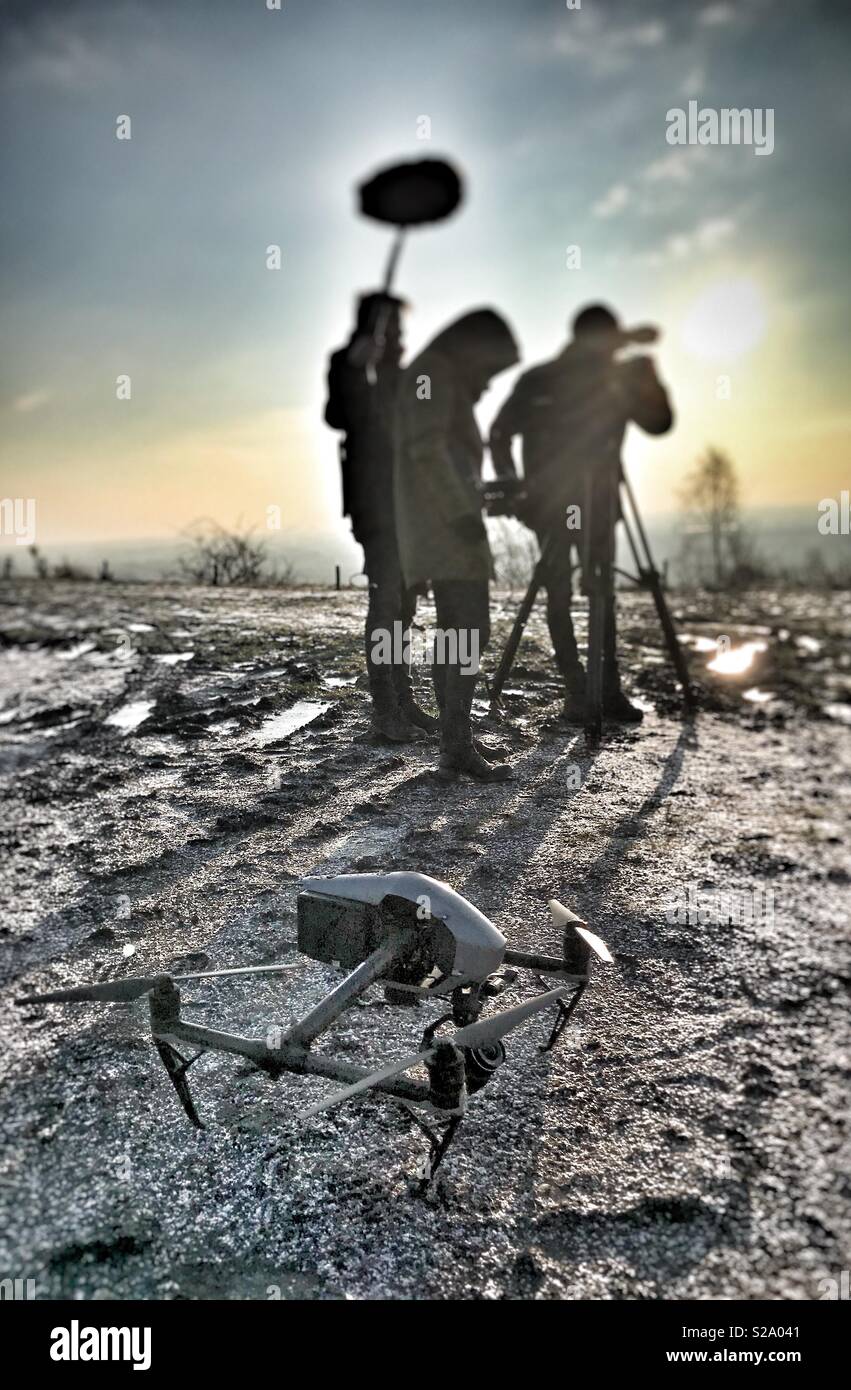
[688, 1140]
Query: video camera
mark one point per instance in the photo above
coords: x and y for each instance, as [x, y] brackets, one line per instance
[503, 496]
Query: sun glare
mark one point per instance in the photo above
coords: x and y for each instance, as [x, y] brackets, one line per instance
[725, 321]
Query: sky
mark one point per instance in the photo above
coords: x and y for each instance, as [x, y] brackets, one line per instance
[250, 126]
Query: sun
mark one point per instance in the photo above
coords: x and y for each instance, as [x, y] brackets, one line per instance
[725, 321]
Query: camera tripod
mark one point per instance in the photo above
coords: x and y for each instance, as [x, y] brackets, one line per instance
[598, 573]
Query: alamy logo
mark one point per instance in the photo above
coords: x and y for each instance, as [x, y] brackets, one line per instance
[17, 518]
[17, 1289]
[697, 907]
[454, 646]
[726, 126]
[76, 1343]
[835, 515]
[833, 1288]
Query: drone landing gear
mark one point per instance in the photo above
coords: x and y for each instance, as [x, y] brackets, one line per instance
[177, 1066]
[562, 1019]
[438, 1144]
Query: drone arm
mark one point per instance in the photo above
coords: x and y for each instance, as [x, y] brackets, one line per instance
[549, 964]
[169, 1028]
[393, 950]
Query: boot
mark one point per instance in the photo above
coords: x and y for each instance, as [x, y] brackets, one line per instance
[458, 752]
[576, 698]
[419, 717]
[391, 725]
[616, 706]
[389, 722]
[491, 752]
[403, 687]
[466, 759]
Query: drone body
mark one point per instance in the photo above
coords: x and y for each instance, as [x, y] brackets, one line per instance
[423, 941]
[337, 916]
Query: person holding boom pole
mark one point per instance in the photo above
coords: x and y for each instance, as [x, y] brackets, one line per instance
[363, 379]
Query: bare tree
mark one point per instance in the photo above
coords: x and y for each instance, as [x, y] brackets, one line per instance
[42, 568]
[514, 550]
[219, 557]
[710, 499]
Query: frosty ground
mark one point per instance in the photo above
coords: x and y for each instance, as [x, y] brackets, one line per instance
[173, 760]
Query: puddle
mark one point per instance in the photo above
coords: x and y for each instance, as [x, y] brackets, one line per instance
[131, 715]
[281, 725]
[840, 712]
[736, 661]
[173, 658]
[159, 745]
[699, 644]
[225, 726]
[140, 627]
[79, 649]
[333, 682]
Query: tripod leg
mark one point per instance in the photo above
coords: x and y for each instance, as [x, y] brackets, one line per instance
[675, 650]
[506, 661]
[594, 686]
[650, 577]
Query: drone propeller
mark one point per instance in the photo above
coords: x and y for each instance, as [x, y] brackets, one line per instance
[106, 992]
[473, 1035]
[134, 986]
[238, 970]
[562, 917]
[488, 1030]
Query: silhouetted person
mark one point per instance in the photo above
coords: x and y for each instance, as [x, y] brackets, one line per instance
[572, 413]
[442, 537]
[363, 378]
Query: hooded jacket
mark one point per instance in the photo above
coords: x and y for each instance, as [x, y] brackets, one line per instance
[438, 459]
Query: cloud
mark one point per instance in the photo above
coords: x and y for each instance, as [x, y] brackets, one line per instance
[56, 58]
[598, 45]
[75, 50]
[717, 14]
[32, 400]
[674, 169]
[612, 202]
[694, 83]
[677, 166]
[703, 239]
[668, 169]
